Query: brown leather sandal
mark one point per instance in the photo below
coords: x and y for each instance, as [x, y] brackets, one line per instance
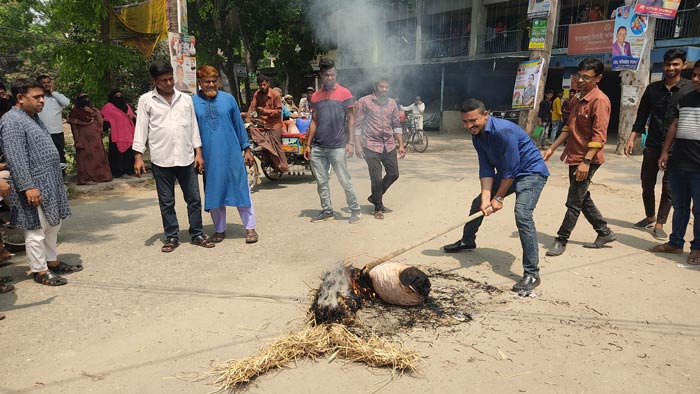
[218, 237]
[694, 257]
[251, 236]
[203, 241]
[665, 248]
[170, 245]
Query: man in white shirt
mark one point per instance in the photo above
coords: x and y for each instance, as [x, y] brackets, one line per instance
[417, 109]
[52, 115]
[167, 122]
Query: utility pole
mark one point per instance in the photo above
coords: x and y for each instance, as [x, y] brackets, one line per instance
[528, 119]
[633, 85]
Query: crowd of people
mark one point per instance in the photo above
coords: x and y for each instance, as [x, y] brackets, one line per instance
[205, 134]
[509, 163]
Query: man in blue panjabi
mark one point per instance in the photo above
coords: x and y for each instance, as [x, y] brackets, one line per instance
[223, 138]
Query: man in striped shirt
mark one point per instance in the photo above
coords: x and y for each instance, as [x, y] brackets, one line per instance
[377, 129]
[684, 171]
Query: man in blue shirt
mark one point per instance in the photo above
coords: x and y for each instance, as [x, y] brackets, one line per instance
[509, 162]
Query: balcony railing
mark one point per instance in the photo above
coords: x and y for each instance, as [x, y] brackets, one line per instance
[562, 38]
[445, 47]
[507, 41]
[686, 25]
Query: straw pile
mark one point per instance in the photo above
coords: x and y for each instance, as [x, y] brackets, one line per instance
[314, 341]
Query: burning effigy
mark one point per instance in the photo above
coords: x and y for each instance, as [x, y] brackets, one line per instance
[331, 319]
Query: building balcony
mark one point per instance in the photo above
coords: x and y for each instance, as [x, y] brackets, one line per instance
[686, 27]
[503, 42]
[445, 47]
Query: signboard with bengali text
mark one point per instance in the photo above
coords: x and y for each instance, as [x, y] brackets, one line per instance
[594, 37]
[538, 34]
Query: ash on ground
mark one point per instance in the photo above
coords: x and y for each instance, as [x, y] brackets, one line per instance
[453, 300]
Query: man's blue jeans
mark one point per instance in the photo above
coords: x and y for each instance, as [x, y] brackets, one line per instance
[165, 186]
[554, 130]
[321, 160]
[685, 188]
[527, 191]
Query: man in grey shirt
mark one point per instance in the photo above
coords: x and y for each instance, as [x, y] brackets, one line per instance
[52, 115]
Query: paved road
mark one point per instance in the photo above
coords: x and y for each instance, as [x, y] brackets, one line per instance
[140, 321]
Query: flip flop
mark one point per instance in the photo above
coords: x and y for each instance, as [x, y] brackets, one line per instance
[378, 215]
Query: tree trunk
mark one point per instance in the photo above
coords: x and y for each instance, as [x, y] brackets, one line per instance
[634, 82]
[528, 119]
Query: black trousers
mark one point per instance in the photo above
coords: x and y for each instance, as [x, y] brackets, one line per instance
[60, 141]
[650, 169]
[579, 201]
[375, 161]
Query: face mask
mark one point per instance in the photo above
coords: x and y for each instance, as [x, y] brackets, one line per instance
[83, 101]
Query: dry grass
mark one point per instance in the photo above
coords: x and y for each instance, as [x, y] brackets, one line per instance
[314, 341]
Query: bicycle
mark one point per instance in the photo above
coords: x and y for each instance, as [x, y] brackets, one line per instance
[416, 137]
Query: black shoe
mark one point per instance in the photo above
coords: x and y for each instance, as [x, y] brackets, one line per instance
[557, 249]
[527, 283]
[457, 247]
[644, 223]
[601, 240]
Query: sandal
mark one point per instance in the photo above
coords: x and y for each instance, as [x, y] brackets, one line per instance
[6, 256]
[251, 236]
[378, 215]
[218, 237]
[170, 245]
[4, 288]
[694, 257]
[665, 248]
[203, 241]
[63, 268]
[49, 279]
[6, 279]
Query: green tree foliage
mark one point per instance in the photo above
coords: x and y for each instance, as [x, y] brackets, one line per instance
[87, 60]
[245, 31]
[292, 43]
[25, 41]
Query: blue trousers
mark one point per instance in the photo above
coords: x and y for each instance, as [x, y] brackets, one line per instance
[685, 188]
[527, 191]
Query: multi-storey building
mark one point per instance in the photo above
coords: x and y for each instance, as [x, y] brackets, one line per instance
[447, 50]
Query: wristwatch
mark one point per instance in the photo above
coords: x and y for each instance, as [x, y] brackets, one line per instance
[586, 161]
[499, 199]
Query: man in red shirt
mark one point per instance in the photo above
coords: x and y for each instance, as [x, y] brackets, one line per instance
[377, 129]
[330, 141]
[585, 133]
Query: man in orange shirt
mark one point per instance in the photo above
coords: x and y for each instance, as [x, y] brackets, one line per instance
[267, 103]
[585, 133]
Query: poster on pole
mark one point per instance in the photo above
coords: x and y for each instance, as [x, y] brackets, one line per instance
[662, 9]
[184, 62]
[527, 81]
[629, 40]
[538, 34]
[538, 8]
